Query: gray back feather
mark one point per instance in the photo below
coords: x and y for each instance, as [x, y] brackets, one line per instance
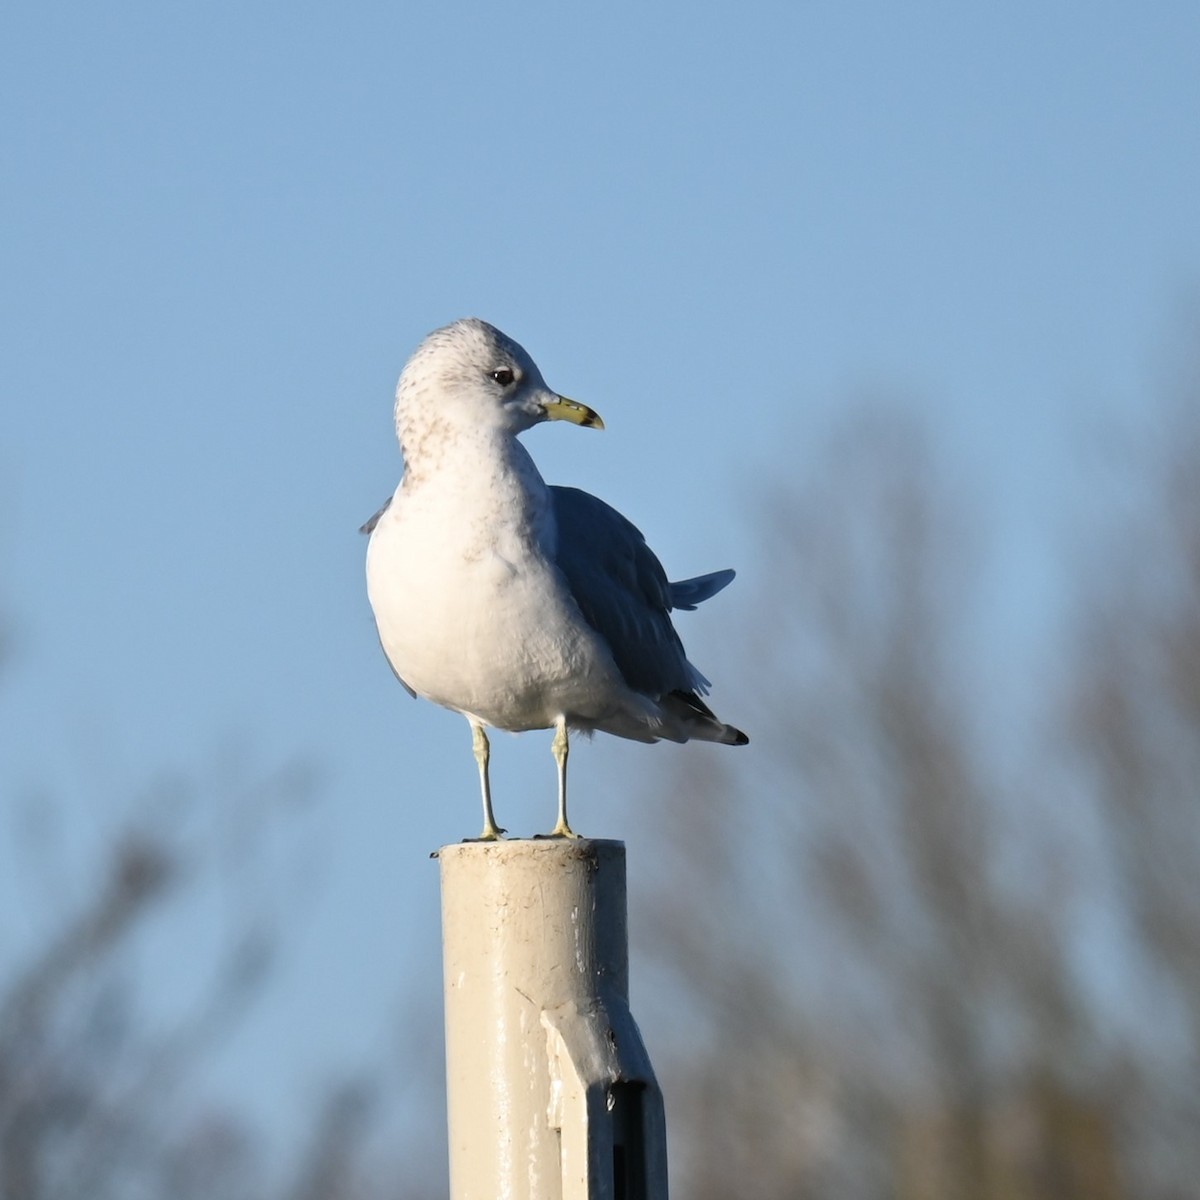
[622, 591]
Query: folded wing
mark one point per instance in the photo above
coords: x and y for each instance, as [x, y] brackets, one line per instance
[624, 595]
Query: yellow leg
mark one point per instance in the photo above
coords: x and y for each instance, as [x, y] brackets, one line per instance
[491, 831]
[562, 748]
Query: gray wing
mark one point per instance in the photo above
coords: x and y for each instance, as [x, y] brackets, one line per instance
[688, 593]
[623, 592]
[369, 525]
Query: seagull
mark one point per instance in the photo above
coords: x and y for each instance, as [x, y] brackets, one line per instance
[519, 604]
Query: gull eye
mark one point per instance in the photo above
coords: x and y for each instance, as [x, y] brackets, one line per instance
[503, 376]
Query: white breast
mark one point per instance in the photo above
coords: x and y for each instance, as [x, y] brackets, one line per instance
[471, 611]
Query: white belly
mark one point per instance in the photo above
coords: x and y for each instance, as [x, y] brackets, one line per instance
[488, 631]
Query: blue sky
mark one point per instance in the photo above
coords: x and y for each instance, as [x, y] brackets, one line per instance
[224, 227]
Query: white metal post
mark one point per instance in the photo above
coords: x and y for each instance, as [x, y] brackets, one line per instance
[551, 1095]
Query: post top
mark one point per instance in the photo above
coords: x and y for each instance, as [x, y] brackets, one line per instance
[509, 849]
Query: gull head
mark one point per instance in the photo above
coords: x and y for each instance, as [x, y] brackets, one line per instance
[469, 376]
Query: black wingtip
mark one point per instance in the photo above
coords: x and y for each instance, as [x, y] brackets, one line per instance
[726, 735]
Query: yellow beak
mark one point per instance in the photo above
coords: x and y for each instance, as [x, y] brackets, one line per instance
[562, 409]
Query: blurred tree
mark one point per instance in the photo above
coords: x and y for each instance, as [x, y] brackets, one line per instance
[1136, 732]
[94, 1105]
[876, 942]
[877, 946]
